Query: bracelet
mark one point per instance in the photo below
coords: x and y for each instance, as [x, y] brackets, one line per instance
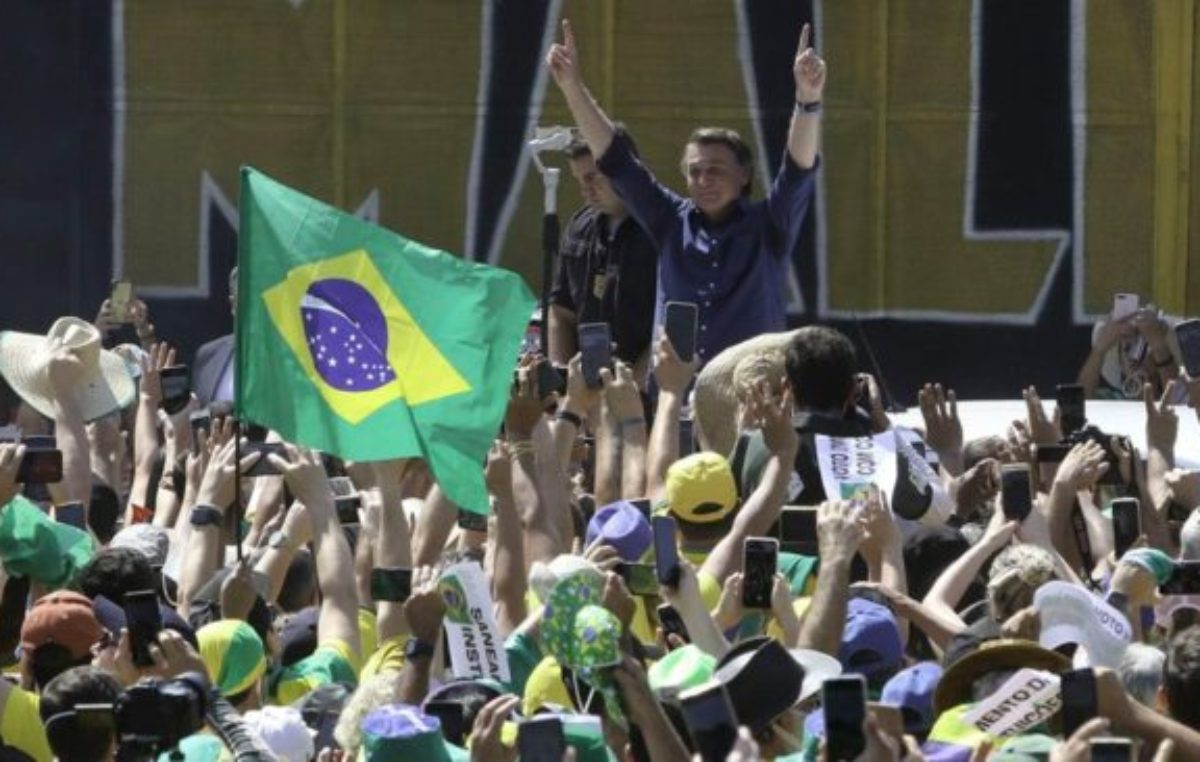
[813, 107]
[569, 417]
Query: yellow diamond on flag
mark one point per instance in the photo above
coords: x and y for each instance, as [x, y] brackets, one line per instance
[355, 340]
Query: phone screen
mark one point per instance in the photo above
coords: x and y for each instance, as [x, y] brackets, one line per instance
[262, 466]
[1112, 750]
[1016, 497]
[548, 380]
[122, 292]
[71, 514]
[845, 702]
[1079, 699]
[347, 509]
[1124, 305]
[450, 716]
[687, 437]
[641, 578]
[1184, 579]
[760, 556]
[1187, 334]
[40, 467]
[392, 585]
[680, 325]
[671, 622]
[666, 551]
[541, 739]
[475, 522]
[710, 720]
[797, 530]
[144, 621]
[595, 347]
[176, 388]
[1126, 519]
[1071, 407]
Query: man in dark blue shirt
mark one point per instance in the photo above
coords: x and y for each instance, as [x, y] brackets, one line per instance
[717, 248]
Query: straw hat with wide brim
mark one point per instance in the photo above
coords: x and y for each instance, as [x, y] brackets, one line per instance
[105, 386]
[714, 403]
[955, 686]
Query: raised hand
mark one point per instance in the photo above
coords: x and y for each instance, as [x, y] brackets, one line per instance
[217, 484]
[305, 476]
[1162, 425]
[808, 69]
[160, 356]
[524, 408]
[1042, 430]
[673, 375]
[943, 428]
[1083, 466]
[621, 392]
[562, 58]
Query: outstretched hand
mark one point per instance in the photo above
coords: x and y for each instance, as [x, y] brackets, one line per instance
[562, 58]
[808, 69]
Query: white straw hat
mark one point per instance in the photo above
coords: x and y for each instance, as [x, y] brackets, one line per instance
[104, 388]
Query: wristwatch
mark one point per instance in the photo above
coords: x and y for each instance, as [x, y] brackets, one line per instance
[277, 540]
[205, 515]
[417, 649]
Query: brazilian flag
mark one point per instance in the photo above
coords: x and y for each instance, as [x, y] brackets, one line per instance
[355, 341]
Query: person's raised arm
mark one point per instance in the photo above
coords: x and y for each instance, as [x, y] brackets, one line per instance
[295, 532]
[762, 508]
[543, 540]
[1162, 429]
[393, 546]
[625, 404]
[424, 611]
[338, 618]
[563, 60]
[1080, 470]
[838, 534]
[943, 428]
[509, 578]
[1108, 336]
[573, 411]
[804, 133]
[145, 430]
[65, 371]
[883, 549]
[951, 585]
[673, 376]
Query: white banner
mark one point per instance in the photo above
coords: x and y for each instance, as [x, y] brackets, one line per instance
[1027, 699]
[849, 464]
[476, 648]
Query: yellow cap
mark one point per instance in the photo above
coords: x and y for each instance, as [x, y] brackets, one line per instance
[544, 686]
[701, 489]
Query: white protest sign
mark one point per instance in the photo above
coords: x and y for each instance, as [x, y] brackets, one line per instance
[476, 647]
[1027, 699]
[1070, 614]
[849, 464]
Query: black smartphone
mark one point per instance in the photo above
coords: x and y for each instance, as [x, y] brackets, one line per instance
[1016, 492]
[450, 716]
[474, 522]
[844, 700]
[541, 739]
[642, 504]
[1111, 750]
[40, 467]
[71, 514]
[176, 388]
[347, 509]
[1072, 414]
[1052, 453]
[679, 322]
[798, 529]
[1184, 579]
[641, 579]
[1078, 698]
[760, 557]
[40, 442]
[262, 466]
[710, 720]
[548, 380]
[1187, 335]
[393, 585]
[671, 622]
[1127, 523]
[200, 420]
[144, 622]
[666, 551]
[595, 348]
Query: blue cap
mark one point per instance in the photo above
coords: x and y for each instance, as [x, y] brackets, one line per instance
[624, 527]
[912, 689]
[870, 640]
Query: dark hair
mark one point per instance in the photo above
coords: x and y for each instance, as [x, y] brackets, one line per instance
[820, 365]
[723, 136]
[71, 740]
[103, 511]
[113, 572]
[1181, 677]
[49, 660]
[12, 616]
[299, 583]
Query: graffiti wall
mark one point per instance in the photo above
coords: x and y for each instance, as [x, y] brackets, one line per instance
[992, 171]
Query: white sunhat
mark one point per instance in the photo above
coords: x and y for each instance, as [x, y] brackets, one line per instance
[104, 388]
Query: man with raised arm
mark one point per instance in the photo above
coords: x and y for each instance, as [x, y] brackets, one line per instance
[717, 248]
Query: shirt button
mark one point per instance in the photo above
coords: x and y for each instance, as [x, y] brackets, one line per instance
[712, 285]
[707, 304]
[703, 328]
[714, 265]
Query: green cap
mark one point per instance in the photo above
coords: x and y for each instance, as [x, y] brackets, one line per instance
[403, 732]
[683, 668]
[34, 545]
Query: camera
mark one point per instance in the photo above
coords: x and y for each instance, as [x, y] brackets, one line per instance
[154, 715]
[1055, 453]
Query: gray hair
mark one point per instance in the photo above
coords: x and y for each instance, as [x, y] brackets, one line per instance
[1142, 672]
[380, 690]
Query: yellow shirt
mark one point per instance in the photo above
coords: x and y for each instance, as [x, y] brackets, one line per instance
[21, 725]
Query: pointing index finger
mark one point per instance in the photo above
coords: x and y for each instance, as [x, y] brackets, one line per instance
[568, 35]
[804, 36]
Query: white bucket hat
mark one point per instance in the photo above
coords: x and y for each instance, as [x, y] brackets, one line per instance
[105, 387]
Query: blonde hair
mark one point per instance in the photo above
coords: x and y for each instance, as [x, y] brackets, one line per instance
[1015, 575]
[766, 365]
[380, 690]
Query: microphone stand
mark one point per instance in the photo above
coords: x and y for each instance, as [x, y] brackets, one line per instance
[550, 233]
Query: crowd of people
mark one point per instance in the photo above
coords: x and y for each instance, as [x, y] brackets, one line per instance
[732, 556]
